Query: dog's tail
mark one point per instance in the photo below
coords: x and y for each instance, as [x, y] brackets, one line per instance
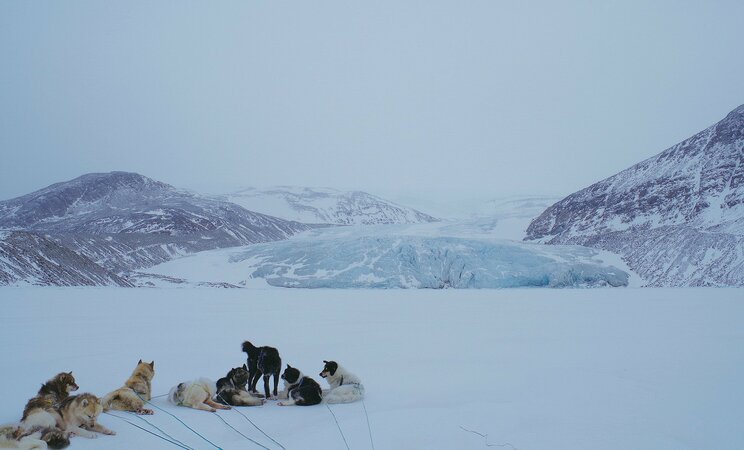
[106, 401]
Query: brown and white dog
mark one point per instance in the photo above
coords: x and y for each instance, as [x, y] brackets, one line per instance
[80, 416]
[41, 417]
[136, 391]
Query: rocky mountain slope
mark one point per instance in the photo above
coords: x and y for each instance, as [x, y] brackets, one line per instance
[323, 205]
[677, 218]
[29, 258]
[126, 221]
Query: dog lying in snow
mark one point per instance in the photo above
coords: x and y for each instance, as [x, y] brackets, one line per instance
[14, 436]
[231, 389]
[196, 394]
[299, 389]
[136, 391]
[80, 416]
[345, 386]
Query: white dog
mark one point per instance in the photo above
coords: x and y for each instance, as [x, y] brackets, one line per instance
[196, 394]
[345, 386]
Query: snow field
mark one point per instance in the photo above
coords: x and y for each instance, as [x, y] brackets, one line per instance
[536, 368]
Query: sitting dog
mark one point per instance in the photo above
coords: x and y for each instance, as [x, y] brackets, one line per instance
[345, 386]
[135, 392]
[299, 390]
[263, 361]
[196, 394]
[231, 389]
[41, 415]
[80, 416]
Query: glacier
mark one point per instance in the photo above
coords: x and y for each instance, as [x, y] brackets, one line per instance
[393, 257]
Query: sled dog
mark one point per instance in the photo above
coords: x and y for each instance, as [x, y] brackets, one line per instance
[80, 416]
[263, 361]
[13, 436]
[136, 390]
[345, 386]
[195, 394]
[231, 389]
[41, 418]
[299, 389]
[41, 411]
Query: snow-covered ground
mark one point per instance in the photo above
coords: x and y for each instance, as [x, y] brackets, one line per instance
[535, 368]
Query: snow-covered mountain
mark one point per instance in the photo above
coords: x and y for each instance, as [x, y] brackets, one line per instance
[324, 205]
[29, 258]
[125, 221]
[122, 202]
[677, 218]
[399, 256]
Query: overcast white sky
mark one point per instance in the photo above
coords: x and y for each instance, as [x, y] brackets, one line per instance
[399, 98]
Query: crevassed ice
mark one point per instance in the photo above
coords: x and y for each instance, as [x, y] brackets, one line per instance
[425, 262]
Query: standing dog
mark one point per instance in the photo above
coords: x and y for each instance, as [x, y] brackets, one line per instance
[80, 416]
[299, 389]
[231, 389]
[345, 386]
[195, 394]
[135, 392]
[263, 361]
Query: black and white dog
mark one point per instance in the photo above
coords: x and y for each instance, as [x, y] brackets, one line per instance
[263, 361]
[231, 389]
[345, 386]
[299, 389]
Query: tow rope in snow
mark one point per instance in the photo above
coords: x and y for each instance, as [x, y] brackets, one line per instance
[236, 430]
[485, 438]
[339, 426]
[368, 427]
[182, 422]
[174, 442]
[156, 427]
[255, 426]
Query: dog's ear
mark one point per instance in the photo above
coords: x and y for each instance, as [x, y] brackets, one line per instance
[245, 367]
[139, 362]
[152, 365]
[69, 373]
[325, 362]
[288, 366]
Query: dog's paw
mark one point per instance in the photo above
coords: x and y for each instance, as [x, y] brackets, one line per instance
[281, 404]
[212, 410]
[145, 412]
[110, 432]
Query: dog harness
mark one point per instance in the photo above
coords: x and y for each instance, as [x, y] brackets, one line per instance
[348, 384]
